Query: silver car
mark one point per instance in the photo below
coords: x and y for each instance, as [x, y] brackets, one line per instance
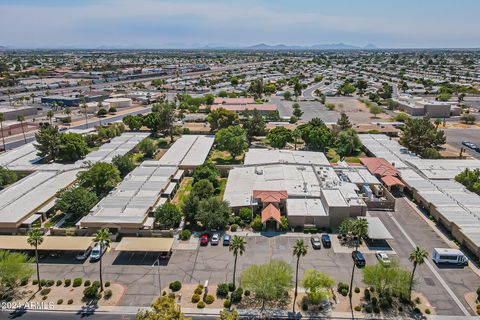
[215, 239]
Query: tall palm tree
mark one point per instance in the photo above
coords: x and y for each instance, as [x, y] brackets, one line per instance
[417, 257]
[237, 246]
[103, 238]
[50, 115]
[299, 250]
[85, 109]
[2, 118]
[35, 238]
[21, 119]
[359, 229]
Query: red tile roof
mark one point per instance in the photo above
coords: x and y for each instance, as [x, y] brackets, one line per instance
[269, 196]
[219, 100]
[391, 181]
[379, 166]
[270, 212]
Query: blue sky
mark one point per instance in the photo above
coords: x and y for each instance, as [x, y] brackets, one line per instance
[160, 23]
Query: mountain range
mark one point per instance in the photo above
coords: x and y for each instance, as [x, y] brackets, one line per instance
[334, 46]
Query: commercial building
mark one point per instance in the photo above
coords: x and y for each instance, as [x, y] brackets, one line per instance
[13, 113]
[416, 106]
[118, 102]
[431, 183]
[300, 185]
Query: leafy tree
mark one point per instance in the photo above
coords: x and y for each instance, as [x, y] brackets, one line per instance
[72, 147]
[48, 142]
[347, 142]
[203, 189]
[375, 109]
[468, 118]
[34, 239]
[100, 177]
[232, 139]
[279, 136]
[317, 284]
[256, 87]
[297, 89]
[470, 179]
[255, 125]
[287, 95]
[76, 201]
[245, 214]
[343, 123]
[222, 118]
[444, 97]
[417, 257]
[387, 280]
[148, 147]
[269, 282]
[420, 134]
[190, 207]
[316, 134]
[134, 122]
[213, 213]
[168, 215]
[300, 249]
[164, 308]
[207, 171]
[7, 177]
[347, 89]
[209, 99]
[236, 247]
[361, 85]
[13, 267]
[103, 237]
[102, 112]
[166, 117]
[297, 112]
[124, 164]
[402, 117]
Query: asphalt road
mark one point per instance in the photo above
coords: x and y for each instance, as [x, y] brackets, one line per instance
[456, 136]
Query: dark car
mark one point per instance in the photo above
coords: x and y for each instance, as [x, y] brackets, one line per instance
[327, 243]
[226, 239]
[204, 240]
[316, 243]
[358, 258]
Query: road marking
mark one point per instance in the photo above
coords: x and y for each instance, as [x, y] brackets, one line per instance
[435, 273]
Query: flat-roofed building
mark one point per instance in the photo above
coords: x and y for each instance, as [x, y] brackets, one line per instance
[188, 152]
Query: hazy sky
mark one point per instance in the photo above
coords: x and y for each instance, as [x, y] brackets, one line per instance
[157, 23]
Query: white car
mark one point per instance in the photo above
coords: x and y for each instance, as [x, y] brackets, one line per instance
[97, 252]
[84, 254]
[215, 239]
[383, 258]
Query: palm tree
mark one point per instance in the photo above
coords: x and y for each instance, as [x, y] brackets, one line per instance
[237, 246]
[359, 229]
[2, 118]
[437, 122]
[103, 238]
[85, 108]
[50, 115]
[417, 257]
[299, 250]
[21, 119]
[35, 238]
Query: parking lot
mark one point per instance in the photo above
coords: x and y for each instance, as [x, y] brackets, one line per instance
[456, 136]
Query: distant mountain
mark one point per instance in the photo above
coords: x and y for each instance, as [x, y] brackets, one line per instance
[332, 46]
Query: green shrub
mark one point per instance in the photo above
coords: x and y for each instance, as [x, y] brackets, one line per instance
[45, 291]
[478, 291]
[234, 227]
[87, 283]
[227, 303]
[209, 299]
[195, 298]
[108, 294]
[344, 292]
[417, 310]
[247, 293]
[417, 300]
[24, 282]
[44, 298]
[77, 282]
[185, 234]
[59, 283]
[35, 282]
[357, 290]
[171, 295]
[304, 305]
[59, 301]
[372, 289]
[70, 301]
[67, 282]
[90, 292]
[107, 284]
[222, 290]
[198, 290]
[342, 286]
[374, 301]
[400, 309]
[231, 287]
[367, 294]
[376, 309]
[358, 308]
[201, 305]
[237, 295]
[43, 282]
[368, 309]
[50, 283]
[96, 283]
[175, 286]
[427, 311]
[186, 131]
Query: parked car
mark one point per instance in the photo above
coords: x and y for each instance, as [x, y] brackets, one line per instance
[327, 243]
[215, 239]
[358, 258]
[316, 242]
[204, 240]
[383, 258]
[97, 252]
[82, 255]
[226, 239]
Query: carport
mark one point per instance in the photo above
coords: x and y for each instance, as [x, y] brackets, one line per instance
[378, 234]
[161, 247]
[50, 243]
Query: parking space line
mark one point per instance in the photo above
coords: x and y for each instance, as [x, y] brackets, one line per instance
[435, 272]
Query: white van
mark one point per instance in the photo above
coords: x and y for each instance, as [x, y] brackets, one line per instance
[449, 256]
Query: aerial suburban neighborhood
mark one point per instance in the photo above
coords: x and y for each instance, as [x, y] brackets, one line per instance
[238, 182]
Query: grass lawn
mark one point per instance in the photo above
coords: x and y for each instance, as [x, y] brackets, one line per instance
[183, 191]
[223, 157]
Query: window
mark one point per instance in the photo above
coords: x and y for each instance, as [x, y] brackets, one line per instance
[448, 257]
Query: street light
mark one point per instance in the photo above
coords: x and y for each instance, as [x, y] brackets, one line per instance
[157, 262]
